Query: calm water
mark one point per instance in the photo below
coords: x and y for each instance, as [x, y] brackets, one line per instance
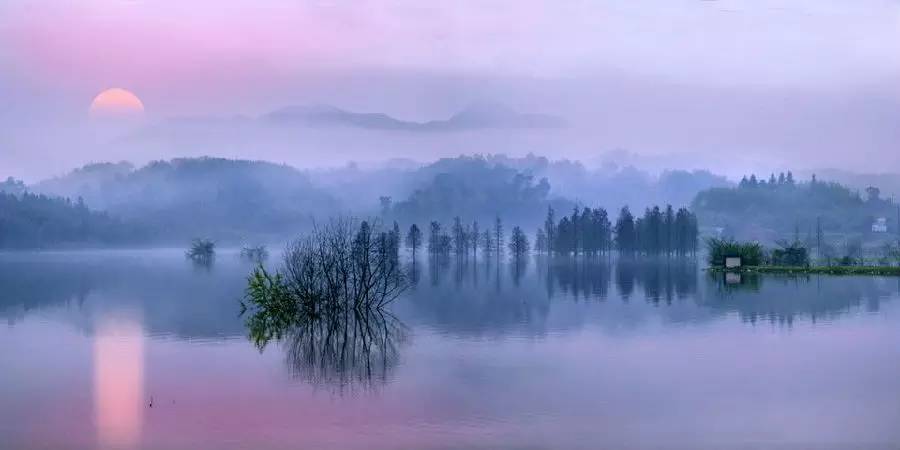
[550, 356]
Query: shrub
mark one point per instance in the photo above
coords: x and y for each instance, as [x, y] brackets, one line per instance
[202, 250]
[751, 253]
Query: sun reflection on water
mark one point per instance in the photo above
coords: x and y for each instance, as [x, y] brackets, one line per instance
[118, 384]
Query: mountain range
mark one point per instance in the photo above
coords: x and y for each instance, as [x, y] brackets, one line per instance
[475, 116]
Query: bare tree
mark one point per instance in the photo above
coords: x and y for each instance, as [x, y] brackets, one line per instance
[339, 267]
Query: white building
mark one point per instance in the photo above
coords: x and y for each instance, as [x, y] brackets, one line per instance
[880, 225]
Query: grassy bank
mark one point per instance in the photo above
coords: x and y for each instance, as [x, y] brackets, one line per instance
[826, 270]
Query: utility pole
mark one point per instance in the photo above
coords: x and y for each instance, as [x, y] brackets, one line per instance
[819, 237]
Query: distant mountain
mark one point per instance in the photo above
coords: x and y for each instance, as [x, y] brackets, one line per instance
[476, 116]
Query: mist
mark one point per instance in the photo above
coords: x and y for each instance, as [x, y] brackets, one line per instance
[729, 86]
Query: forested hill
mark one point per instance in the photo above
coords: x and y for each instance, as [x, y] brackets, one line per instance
[778, 206]
[219, 198]
[475, 188]
[38, 221]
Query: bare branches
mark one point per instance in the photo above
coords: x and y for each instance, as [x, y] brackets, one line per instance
[340, 266]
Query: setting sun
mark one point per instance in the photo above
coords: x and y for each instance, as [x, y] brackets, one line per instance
[116, 102]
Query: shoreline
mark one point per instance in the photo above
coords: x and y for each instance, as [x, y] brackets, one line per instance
[814, 270]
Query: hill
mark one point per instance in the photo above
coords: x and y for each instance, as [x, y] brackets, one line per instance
[476, 116]
[782, 207]
[37, 221]
[186, 197]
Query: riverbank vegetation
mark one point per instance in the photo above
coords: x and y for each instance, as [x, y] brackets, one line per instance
[789, 258]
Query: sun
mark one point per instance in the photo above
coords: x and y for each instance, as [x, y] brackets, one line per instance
[116, 102]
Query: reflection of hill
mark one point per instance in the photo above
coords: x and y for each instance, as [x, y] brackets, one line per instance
[171, 296]
[33, 284]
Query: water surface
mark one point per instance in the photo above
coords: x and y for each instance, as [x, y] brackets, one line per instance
[549, 354]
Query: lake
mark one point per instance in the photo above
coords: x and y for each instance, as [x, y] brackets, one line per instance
[145, 350]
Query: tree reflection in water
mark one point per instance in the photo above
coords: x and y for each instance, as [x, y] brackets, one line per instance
[354, 348]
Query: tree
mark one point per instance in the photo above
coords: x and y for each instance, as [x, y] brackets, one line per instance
[550, 230]
[498, 235]
[459, 237]
[540, 241]
[434, 238]
[518, 243]
[565, 236]
[414, 239]
[625, 232]
[385, 202]
[576, 236]
[473, 239]
[487, 243]
[395, 238]
[13, 186]
[669, 230]
[872, 194]
[602, 230]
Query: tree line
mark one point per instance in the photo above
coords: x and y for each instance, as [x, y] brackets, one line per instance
[30, 221]
[585, 232]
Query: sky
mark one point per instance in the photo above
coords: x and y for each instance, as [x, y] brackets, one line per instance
[811, 76]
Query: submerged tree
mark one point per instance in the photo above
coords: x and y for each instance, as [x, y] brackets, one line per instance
[540, 241]
[498, 235]
[487, 243]
[625, 232]
[550, 230]
[201, 250]
[255, 253]
[342, 349]
[339, 267]
[414, 239]
[518, 243]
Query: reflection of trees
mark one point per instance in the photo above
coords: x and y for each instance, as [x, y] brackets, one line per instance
[27, 285]
[173, 299]
[784, 298]
[481, 300]
[517, 268]
[587, 278]
[351, 348]
[660, 278]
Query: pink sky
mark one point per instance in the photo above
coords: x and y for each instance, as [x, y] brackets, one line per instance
[757, 77]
